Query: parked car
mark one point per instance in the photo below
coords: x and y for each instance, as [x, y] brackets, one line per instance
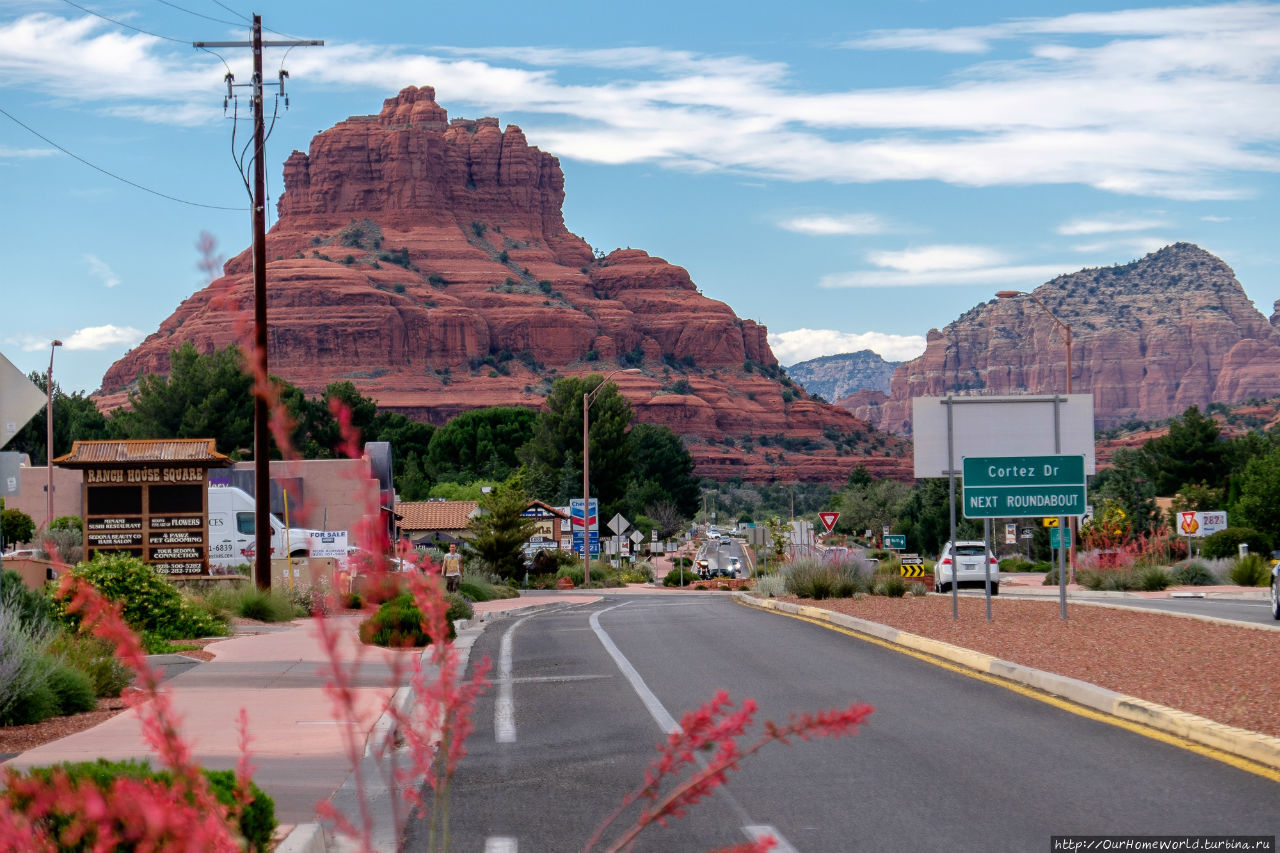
[21, 554]
[1275, 586]
[967, 566]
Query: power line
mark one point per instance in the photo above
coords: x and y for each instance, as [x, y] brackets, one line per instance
[109, 174]
[123, 24]
[199, 15]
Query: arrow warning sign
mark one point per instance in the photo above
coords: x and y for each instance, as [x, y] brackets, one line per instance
[829, 519]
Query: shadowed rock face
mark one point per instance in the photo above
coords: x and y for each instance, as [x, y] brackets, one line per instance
[1150, 338]
[427, 261]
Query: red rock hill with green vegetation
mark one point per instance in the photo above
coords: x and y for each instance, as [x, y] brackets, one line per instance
[1150, 338]
[427, 261]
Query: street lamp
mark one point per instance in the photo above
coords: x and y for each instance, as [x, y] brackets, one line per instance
[1066, 331]
[48, 434]
[589, 397]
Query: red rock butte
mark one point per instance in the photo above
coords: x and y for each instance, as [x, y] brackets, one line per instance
[427, 261]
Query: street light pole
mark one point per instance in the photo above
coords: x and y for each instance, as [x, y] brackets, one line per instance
[588, 397]
[1066, 332]
[48, 435]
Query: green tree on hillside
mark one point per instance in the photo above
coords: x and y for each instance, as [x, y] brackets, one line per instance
[662, 471]
[1193, 451]
[204, 396]
[481, 443]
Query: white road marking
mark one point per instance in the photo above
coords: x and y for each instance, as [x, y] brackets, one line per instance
[504, 705]
[500, 844]
[668, 725]
[757, 831]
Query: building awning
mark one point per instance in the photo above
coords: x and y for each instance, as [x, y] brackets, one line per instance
[199, 452]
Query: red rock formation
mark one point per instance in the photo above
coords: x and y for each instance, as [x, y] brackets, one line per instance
[1150, 339]
[427, 261]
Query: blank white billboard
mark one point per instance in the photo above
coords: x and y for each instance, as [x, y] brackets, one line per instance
[1000, 426]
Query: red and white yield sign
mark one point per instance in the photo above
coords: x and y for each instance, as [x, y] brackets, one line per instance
[829, 519]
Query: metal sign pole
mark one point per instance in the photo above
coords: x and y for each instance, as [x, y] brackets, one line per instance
[951, 476]
[1062, 522]
[986, 560]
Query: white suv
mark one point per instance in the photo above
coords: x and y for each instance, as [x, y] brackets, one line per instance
[967, 566]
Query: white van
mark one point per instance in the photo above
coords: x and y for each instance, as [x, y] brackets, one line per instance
[231, 530]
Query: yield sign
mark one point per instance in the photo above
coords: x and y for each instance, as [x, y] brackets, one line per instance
[829, 519]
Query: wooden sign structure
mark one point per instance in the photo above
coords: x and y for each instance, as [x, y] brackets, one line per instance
[149, 499]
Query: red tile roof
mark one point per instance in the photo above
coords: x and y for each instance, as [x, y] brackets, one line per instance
[435, 515]
[200, 451]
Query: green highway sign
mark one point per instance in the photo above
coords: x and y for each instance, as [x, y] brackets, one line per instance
[1054, 537]
[1023, 486]
[895, 541]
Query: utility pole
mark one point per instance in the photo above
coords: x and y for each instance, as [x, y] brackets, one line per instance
[261, 434]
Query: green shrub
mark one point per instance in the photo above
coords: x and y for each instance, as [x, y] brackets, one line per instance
[398, 622]
[1152, 578]
[1226, 542]
[892, 586]
[1016, 564]
[256, 823]
[818, 580]
[29, 607]
[267, 605]
[354, 601]
[67, 522]
[36, 704]
[308, 599]
[771, 586]
[1250, 570]
[73, 689]
[149, 603]
[643, 568]
[479, 589]
[1193, 573]
[680, 577]
[575, 573]
[96, 658]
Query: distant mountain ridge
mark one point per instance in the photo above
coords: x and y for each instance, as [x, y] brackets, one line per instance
[835, 376]
[1150, 338]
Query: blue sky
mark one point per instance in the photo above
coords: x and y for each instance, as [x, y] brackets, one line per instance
[850, 174]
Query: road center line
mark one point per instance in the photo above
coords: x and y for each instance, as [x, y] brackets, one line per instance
[504, 705]
[500, 844]
[668, 725]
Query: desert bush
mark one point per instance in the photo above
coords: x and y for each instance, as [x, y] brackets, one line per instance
[22, 656]
[574, 573]
[482, 589]
[771, 586]
[149, 603]
[817, 580]
[255, 823]
[94, 657]
[1250, 570]
[892, 586]
[1017, 564]
[644, 569]
[1226, 542]
[62, 544]
[28, 606]
[1152, 578]
[1192, 573]
[249, 602]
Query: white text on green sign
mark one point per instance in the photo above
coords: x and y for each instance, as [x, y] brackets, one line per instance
[1023, 486]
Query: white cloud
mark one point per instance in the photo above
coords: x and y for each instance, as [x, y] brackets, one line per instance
[1108, 225]
[1151, 102]
[937, 258]
[1132, 246]
[102, 271]
[8, 153]
[1027, 276]
[103, 337]
[803, 344]
[1215, 218]
[827, 226]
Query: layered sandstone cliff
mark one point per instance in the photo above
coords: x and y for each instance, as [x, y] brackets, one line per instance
[427, 260]
[1149, 339]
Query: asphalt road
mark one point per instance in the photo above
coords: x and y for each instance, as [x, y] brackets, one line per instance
[947, 762]
[1240, 611]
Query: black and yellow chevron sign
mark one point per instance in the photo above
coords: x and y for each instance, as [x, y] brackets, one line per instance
[912, 571]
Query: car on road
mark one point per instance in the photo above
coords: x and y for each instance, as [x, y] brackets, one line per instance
[966, 564]
[735, 567]
[1275, 591]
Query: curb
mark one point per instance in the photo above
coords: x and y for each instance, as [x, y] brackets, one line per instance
[1253, 746]
[1131, 608]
